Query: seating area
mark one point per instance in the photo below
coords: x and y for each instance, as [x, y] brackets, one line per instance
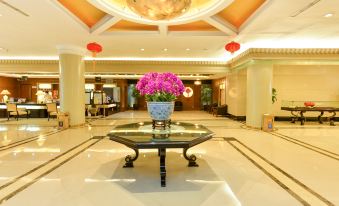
[52, 110]
[216, 110]
[219, 110]
[13, 110]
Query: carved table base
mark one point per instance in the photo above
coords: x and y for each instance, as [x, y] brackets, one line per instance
[162, 154]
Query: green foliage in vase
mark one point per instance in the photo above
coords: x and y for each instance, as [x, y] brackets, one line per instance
[160, 97]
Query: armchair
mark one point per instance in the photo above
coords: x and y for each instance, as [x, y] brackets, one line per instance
[178, 106]
[210, 108]
[52, 110]
[13, 110]
[220, 110]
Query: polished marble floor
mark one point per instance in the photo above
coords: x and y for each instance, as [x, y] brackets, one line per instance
[294, 165]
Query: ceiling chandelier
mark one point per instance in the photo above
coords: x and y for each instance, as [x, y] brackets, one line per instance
[159, 9]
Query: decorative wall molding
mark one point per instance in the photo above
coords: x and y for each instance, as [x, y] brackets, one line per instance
[119, 62]
[162, 62]
[27, 62]
[285, 54]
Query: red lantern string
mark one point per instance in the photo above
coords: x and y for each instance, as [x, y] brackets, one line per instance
[94, 48]
[232, 47]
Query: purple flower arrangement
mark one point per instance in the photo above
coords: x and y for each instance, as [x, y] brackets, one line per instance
[160, 87]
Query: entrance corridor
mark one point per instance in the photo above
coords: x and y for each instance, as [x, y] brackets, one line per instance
[43, 166]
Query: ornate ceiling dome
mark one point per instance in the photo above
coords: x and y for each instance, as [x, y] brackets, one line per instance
[159, 9]
[155, 12]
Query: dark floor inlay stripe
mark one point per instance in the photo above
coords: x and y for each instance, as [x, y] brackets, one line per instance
[336, 154]
[12, 194]
[307, 147]
[28, 140]
[42, 165]
[285, 187]
[282, 171]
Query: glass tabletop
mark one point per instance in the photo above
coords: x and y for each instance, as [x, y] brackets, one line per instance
[143, 132]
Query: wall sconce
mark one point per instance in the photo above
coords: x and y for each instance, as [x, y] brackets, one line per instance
[222, 86]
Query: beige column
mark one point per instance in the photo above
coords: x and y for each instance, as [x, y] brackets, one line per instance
[72, 83]
[259, 92]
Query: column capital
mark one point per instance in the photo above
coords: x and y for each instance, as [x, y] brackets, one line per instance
[71, 49]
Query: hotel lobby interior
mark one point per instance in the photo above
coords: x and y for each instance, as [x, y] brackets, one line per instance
[169, 102]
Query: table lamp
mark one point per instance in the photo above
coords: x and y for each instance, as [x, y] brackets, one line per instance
[5, 92]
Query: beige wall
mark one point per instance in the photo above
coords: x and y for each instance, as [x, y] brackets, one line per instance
[236, 92]
[305, 83]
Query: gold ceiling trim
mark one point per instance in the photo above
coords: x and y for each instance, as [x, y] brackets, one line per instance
[115, 62]
[331, 54]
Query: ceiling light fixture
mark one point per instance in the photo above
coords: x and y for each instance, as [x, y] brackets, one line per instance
[188, 49]
[328, 15]
[197, 82]
[142, 49]
[165, 49]
[159, 10]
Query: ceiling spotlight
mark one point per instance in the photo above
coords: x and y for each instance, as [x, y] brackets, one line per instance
[0, 14]
[165, 49]
[142, 49]
[328, 15]
[188, 49]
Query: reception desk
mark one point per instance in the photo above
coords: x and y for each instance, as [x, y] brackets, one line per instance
[40, 110]
[36, 110]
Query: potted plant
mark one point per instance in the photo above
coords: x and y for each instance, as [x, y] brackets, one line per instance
[160, 91]
[206, 96]
[135, 94]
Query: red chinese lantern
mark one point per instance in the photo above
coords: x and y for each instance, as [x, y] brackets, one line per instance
[94, 48]
[232, 47]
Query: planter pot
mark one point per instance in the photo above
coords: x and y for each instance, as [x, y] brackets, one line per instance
[160, 110]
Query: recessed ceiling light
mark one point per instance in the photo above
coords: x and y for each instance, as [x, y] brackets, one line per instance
[142, 49]
[328, 15]
[0, 14]
[165, 49]
[188, 49]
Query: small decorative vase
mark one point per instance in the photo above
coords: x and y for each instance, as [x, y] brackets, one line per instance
[160, 110]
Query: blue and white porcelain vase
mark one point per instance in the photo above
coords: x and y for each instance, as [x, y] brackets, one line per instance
[160, 110]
